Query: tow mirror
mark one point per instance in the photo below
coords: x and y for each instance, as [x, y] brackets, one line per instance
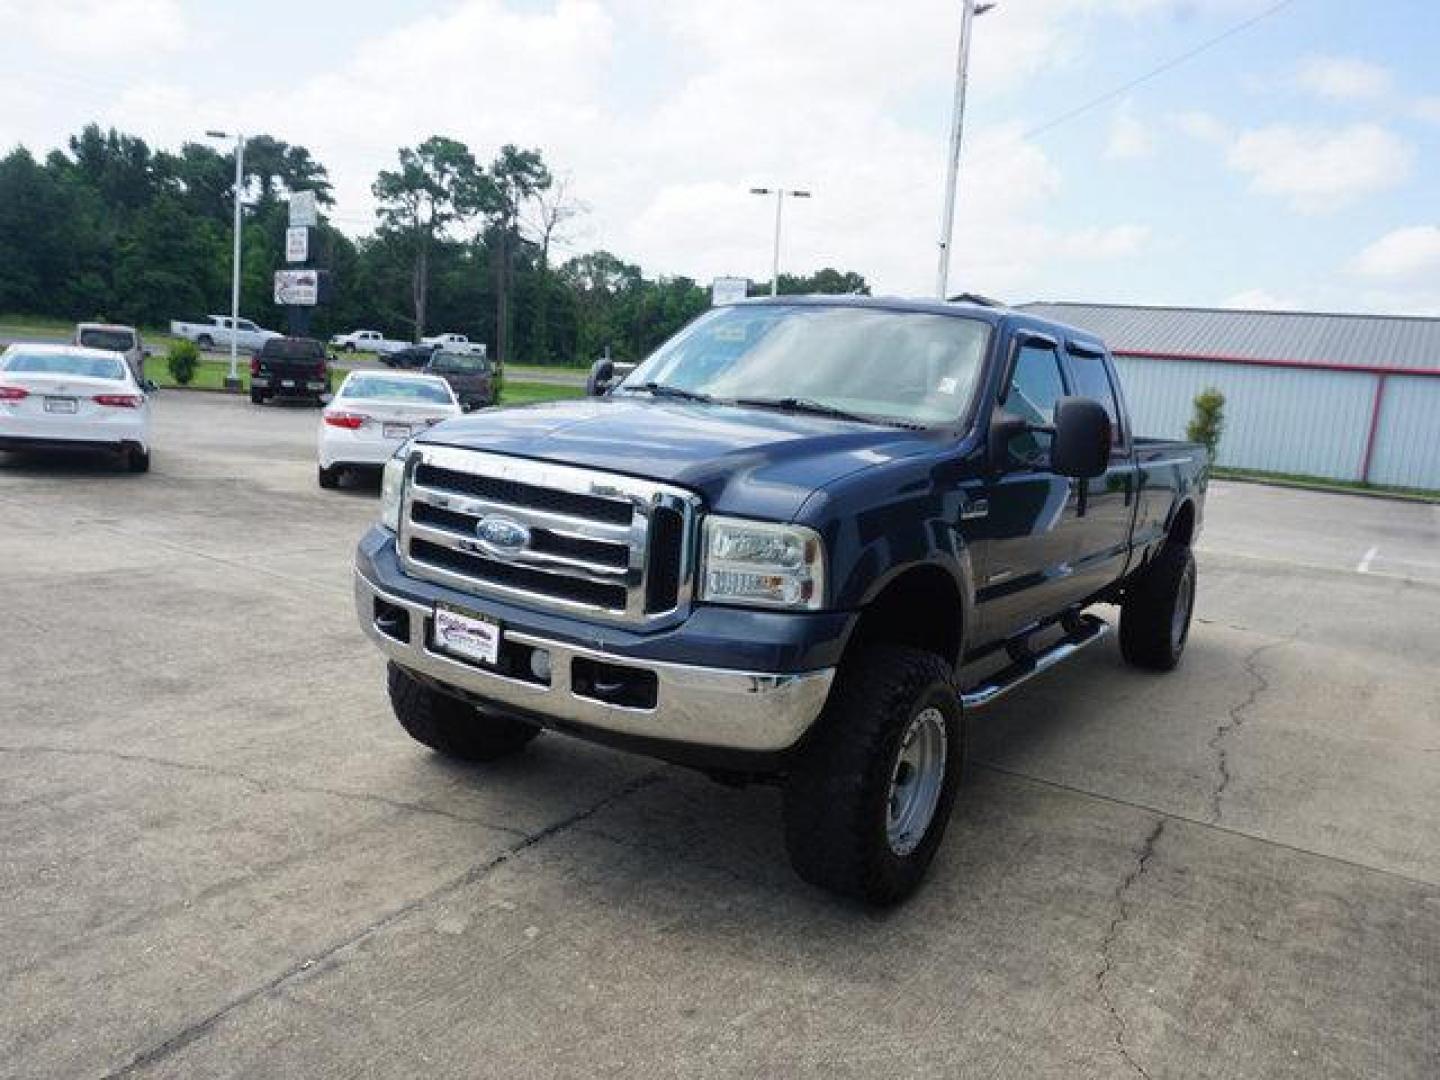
[1081, 447]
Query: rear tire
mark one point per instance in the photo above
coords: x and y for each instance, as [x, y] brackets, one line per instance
[848, 825]
[329, 478]
[137, 460]
[257, 398]
[1155, 614]
[451, 727]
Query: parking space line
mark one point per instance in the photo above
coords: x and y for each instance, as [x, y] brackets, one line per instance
[1366, 560]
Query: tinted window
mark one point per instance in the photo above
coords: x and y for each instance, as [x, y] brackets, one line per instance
[1034, 388]
[114, 340]
[459, 363]
[1090, 380]
[292, 349]
[95, 367]
[391, 388]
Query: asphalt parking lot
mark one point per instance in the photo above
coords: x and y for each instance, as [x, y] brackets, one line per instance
[219, 856]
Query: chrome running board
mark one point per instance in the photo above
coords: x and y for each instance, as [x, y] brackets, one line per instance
[1086, 630]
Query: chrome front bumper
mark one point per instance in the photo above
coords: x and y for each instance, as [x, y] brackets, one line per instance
[700, 706]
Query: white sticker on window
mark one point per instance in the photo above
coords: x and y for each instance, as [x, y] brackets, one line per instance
[947, 385]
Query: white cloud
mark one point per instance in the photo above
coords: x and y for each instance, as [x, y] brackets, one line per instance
[1261, 300]
[114, 30]
[1128, 139]
[1426, 108]
[1343, 78]
[1404, 254]
[1320, 170]
[1206, 127]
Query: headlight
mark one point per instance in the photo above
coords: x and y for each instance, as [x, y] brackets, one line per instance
[392, 486]
[760, 564]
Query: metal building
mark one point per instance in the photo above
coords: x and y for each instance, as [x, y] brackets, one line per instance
[1348, 397]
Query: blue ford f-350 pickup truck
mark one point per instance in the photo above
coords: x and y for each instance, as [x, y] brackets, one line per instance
[778, 549]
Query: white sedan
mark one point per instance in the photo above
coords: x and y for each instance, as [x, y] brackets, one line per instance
[64, 396]
[373, 413]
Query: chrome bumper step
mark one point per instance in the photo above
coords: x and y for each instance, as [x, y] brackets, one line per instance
[1086, 630]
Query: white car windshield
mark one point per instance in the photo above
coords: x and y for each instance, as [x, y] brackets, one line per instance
[94, 367]
[910, 367]
[372, 387]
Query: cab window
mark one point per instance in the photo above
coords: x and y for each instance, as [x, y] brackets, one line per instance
[1091, 380]
[1035, 386]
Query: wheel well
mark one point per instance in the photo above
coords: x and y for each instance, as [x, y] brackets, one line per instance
[1182, 526]
[921, 608]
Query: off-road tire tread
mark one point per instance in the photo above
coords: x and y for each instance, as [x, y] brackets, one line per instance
[843, 774]
[451, 727]
[1149, 604]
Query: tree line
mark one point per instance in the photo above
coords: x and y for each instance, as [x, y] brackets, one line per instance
[112, 228]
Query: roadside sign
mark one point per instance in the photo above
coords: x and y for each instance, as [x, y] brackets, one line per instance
[297, 244]
[298, 288]
[303, 210]
[728, 290]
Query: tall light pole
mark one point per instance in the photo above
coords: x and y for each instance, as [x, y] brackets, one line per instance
[232, 381]
[779, 194]
[968, 10]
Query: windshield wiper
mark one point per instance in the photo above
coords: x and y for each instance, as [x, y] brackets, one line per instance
[814, 408]
[666, 390]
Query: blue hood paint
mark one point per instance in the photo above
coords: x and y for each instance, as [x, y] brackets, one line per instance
[751, 462]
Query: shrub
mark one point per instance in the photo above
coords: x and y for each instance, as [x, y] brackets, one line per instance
[1208, 424]
[182, 360]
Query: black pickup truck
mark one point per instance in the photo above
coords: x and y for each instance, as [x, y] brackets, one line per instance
[804, 542]
[293, 367]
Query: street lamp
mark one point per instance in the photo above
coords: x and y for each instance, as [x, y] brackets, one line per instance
[968, 10]
[779, 194]
[232, 381]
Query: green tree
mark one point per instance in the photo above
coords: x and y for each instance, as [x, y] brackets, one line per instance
[1208, 423]
[438, 184]
[515, 178]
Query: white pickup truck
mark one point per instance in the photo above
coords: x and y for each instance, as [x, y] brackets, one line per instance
[367, 341]
[215, 331]
[456, 343]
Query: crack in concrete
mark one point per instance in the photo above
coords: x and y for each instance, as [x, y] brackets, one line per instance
[189, 1034]
[1122, 916]
[1234, 720]
[265, 787]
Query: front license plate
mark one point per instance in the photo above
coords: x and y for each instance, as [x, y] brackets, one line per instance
[61, 404]
[287, 382]
[396, 431]
[469, 636]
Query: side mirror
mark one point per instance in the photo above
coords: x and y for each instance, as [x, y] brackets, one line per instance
[1081, 447]
[602, 373]
[149, 386]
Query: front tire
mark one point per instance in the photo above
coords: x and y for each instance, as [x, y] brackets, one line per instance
[451, 727]
[1155, 614]
[867, 805]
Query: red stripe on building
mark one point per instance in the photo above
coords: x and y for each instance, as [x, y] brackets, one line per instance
[1273, 362]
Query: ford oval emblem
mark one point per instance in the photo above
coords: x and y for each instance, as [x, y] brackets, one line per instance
[502, 536]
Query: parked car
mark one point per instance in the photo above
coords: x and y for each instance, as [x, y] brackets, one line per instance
[469, 375]
[290, 367]
[372, 413]
[113, 338]
[778, 550]
[69, 397]
[215, 332]
[605, 374]
[367, 341]
[415, 356]
[455, 343]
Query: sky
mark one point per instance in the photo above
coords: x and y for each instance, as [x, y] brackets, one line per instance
[1289, 163]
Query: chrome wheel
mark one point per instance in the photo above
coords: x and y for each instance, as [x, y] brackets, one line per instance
[1180, 619]
[916, 781]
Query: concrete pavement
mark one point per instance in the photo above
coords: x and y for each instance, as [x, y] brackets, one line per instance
[219, 856]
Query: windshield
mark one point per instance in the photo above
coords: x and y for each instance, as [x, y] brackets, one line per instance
[371, 387]
[459, 364]
[94, 367]
[113, 340]
[891, 366]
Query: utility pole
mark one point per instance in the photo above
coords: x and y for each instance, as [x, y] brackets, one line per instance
[779, 194]
[232, 381]
[968, 10]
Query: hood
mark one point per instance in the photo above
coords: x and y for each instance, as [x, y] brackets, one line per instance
[750, 462]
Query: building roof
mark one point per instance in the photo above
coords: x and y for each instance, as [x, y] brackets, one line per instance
[1302, 338]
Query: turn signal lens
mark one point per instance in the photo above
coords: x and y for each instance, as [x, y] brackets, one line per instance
[347, 420]
[120, 401]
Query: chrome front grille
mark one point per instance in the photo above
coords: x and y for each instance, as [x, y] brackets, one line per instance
[617, 548]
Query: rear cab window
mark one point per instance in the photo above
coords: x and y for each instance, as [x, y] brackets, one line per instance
[1090, 379]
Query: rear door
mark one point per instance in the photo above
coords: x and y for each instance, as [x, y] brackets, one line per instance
[1104, 510]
